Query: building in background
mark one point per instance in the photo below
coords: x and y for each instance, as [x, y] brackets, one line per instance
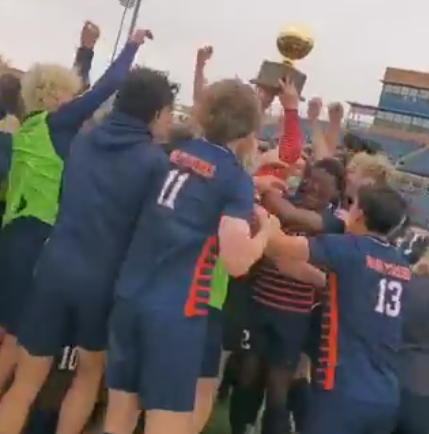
[402, 110]
[400, 124]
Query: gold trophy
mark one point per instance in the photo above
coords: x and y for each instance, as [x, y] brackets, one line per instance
[294, 43]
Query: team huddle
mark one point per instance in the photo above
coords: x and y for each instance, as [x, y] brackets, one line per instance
[124, 235]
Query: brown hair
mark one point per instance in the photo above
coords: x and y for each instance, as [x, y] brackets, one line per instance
[229, 111]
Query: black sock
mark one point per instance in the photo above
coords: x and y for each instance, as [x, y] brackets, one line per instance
[244, 407]
[42, 421]
[276, 419]
[299, 401]
[238, 410]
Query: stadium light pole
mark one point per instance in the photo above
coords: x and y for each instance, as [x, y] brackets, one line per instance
[127, 5]
[135, 17]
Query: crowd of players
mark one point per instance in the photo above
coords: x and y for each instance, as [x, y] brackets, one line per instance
[121, 231]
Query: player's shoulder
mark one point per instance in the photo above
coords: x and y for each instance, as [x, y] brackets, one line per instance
[149, 155]
[209, 159]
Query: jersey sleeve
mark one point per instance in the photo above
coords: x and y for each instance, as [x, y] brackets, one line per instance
[290, 145]
[332, 252]
[331, 223]
[240, 193]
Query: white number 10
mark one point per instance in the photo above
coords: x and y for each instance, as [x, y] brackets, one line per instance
[172, 185]
[389, 298]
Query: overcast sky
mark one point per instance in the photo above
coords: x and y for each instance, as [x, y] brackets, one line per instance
[355, 40]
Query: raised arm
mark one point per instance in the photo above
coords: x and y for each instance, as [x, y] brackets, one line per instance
[290, 145]
[320, 147]
[204, 54]
[74, 113]
[85, 53]
[332, 133]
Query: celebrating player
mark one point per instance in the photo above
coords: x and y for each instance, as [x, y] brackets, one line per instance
[361, 339]
[102, 190]
[158, 324]
[40, 146]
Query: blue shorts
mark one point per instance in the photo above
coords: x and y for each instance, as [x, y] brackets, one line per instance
[21, 243]
[277, 336]
[332, 412]
[156, 354]
[61, 312]
[213, 344]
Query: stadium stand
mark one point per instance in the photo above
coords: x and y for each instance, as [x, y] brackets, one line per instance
[394, 148]
[416, 163]
[416, 190]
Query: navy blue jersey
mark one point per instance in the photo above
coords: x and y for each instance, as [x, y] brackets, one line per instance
[109, 174]
[362, 320]
[172, 254]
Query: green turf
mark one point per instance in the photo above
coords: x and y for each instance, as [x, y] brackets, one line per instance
[218, 423]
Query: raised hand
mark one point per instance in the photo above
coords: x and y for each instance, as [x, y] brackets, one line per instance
[336, 113]
[89, 35]
[141, 35]
[265, 96]
[204, 54]
[288, 95]
[314, 108]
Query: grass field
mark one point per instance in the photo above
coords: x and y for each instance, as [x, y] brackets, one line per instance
[218, 423]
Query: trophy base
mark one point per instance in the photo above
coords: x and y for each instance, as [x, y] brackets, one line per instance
[271, 72]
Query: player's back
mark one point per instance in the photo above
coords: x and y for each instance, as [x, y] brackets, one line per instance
[105, 182]
[362, 331]
[175, 240]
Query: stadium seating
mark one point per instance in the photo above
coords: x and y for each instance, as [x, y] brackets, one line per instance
[395, 149]
[416, 163]
[416, 191]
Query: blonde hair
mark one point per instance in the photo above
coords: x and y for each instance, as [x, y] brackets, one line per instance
[375, 167]
[43, 85]
[422, 266]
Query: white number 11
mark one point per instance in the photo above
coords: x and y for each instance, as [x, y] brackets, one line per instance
[172, 185]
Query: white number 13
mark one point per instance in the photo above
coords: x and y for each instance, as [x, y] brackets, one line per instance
[172, 185]
[389, 298]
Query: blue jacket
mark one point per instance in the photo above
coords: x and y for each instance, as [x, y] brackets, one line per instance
[109, 174]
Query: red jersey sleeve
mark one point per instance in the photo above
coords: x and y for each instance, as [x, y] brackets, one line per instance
[290, 145]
